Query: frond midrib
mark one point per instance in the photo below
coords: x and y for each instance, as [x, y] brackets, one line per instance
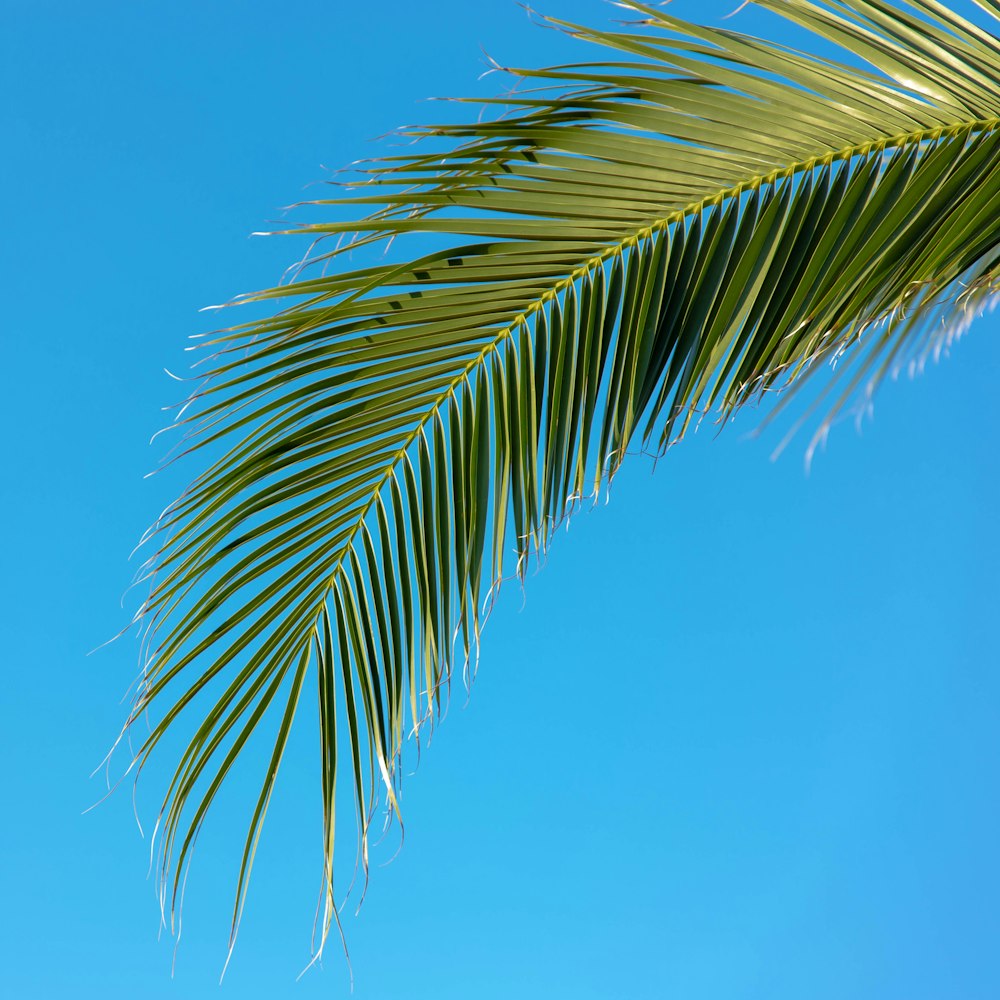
[935, 134]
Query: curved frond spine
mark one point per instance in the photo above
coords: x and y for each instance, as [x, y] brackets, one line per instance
[697, 220]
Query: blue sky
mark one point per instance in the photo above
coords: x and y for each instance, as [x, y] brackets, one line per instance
[739, 740]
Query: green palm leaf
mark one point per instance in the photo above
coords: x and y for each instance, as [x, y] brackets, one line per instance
[693, 220]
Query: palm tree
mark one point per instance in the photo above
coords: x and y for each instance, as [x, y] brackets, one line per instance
[692, 220]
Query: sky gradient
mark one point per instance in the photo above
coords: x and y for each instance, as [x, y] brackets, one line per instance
[739, 738]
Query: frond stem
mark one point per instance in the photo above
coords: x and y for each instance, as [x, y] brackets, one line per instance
[978, 125]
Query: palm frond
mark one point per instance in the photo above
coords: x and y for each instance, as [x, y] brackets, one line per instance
[692, 220]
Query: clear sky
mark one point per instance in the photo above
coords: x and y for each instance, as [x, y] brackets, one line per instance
[739, 741]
